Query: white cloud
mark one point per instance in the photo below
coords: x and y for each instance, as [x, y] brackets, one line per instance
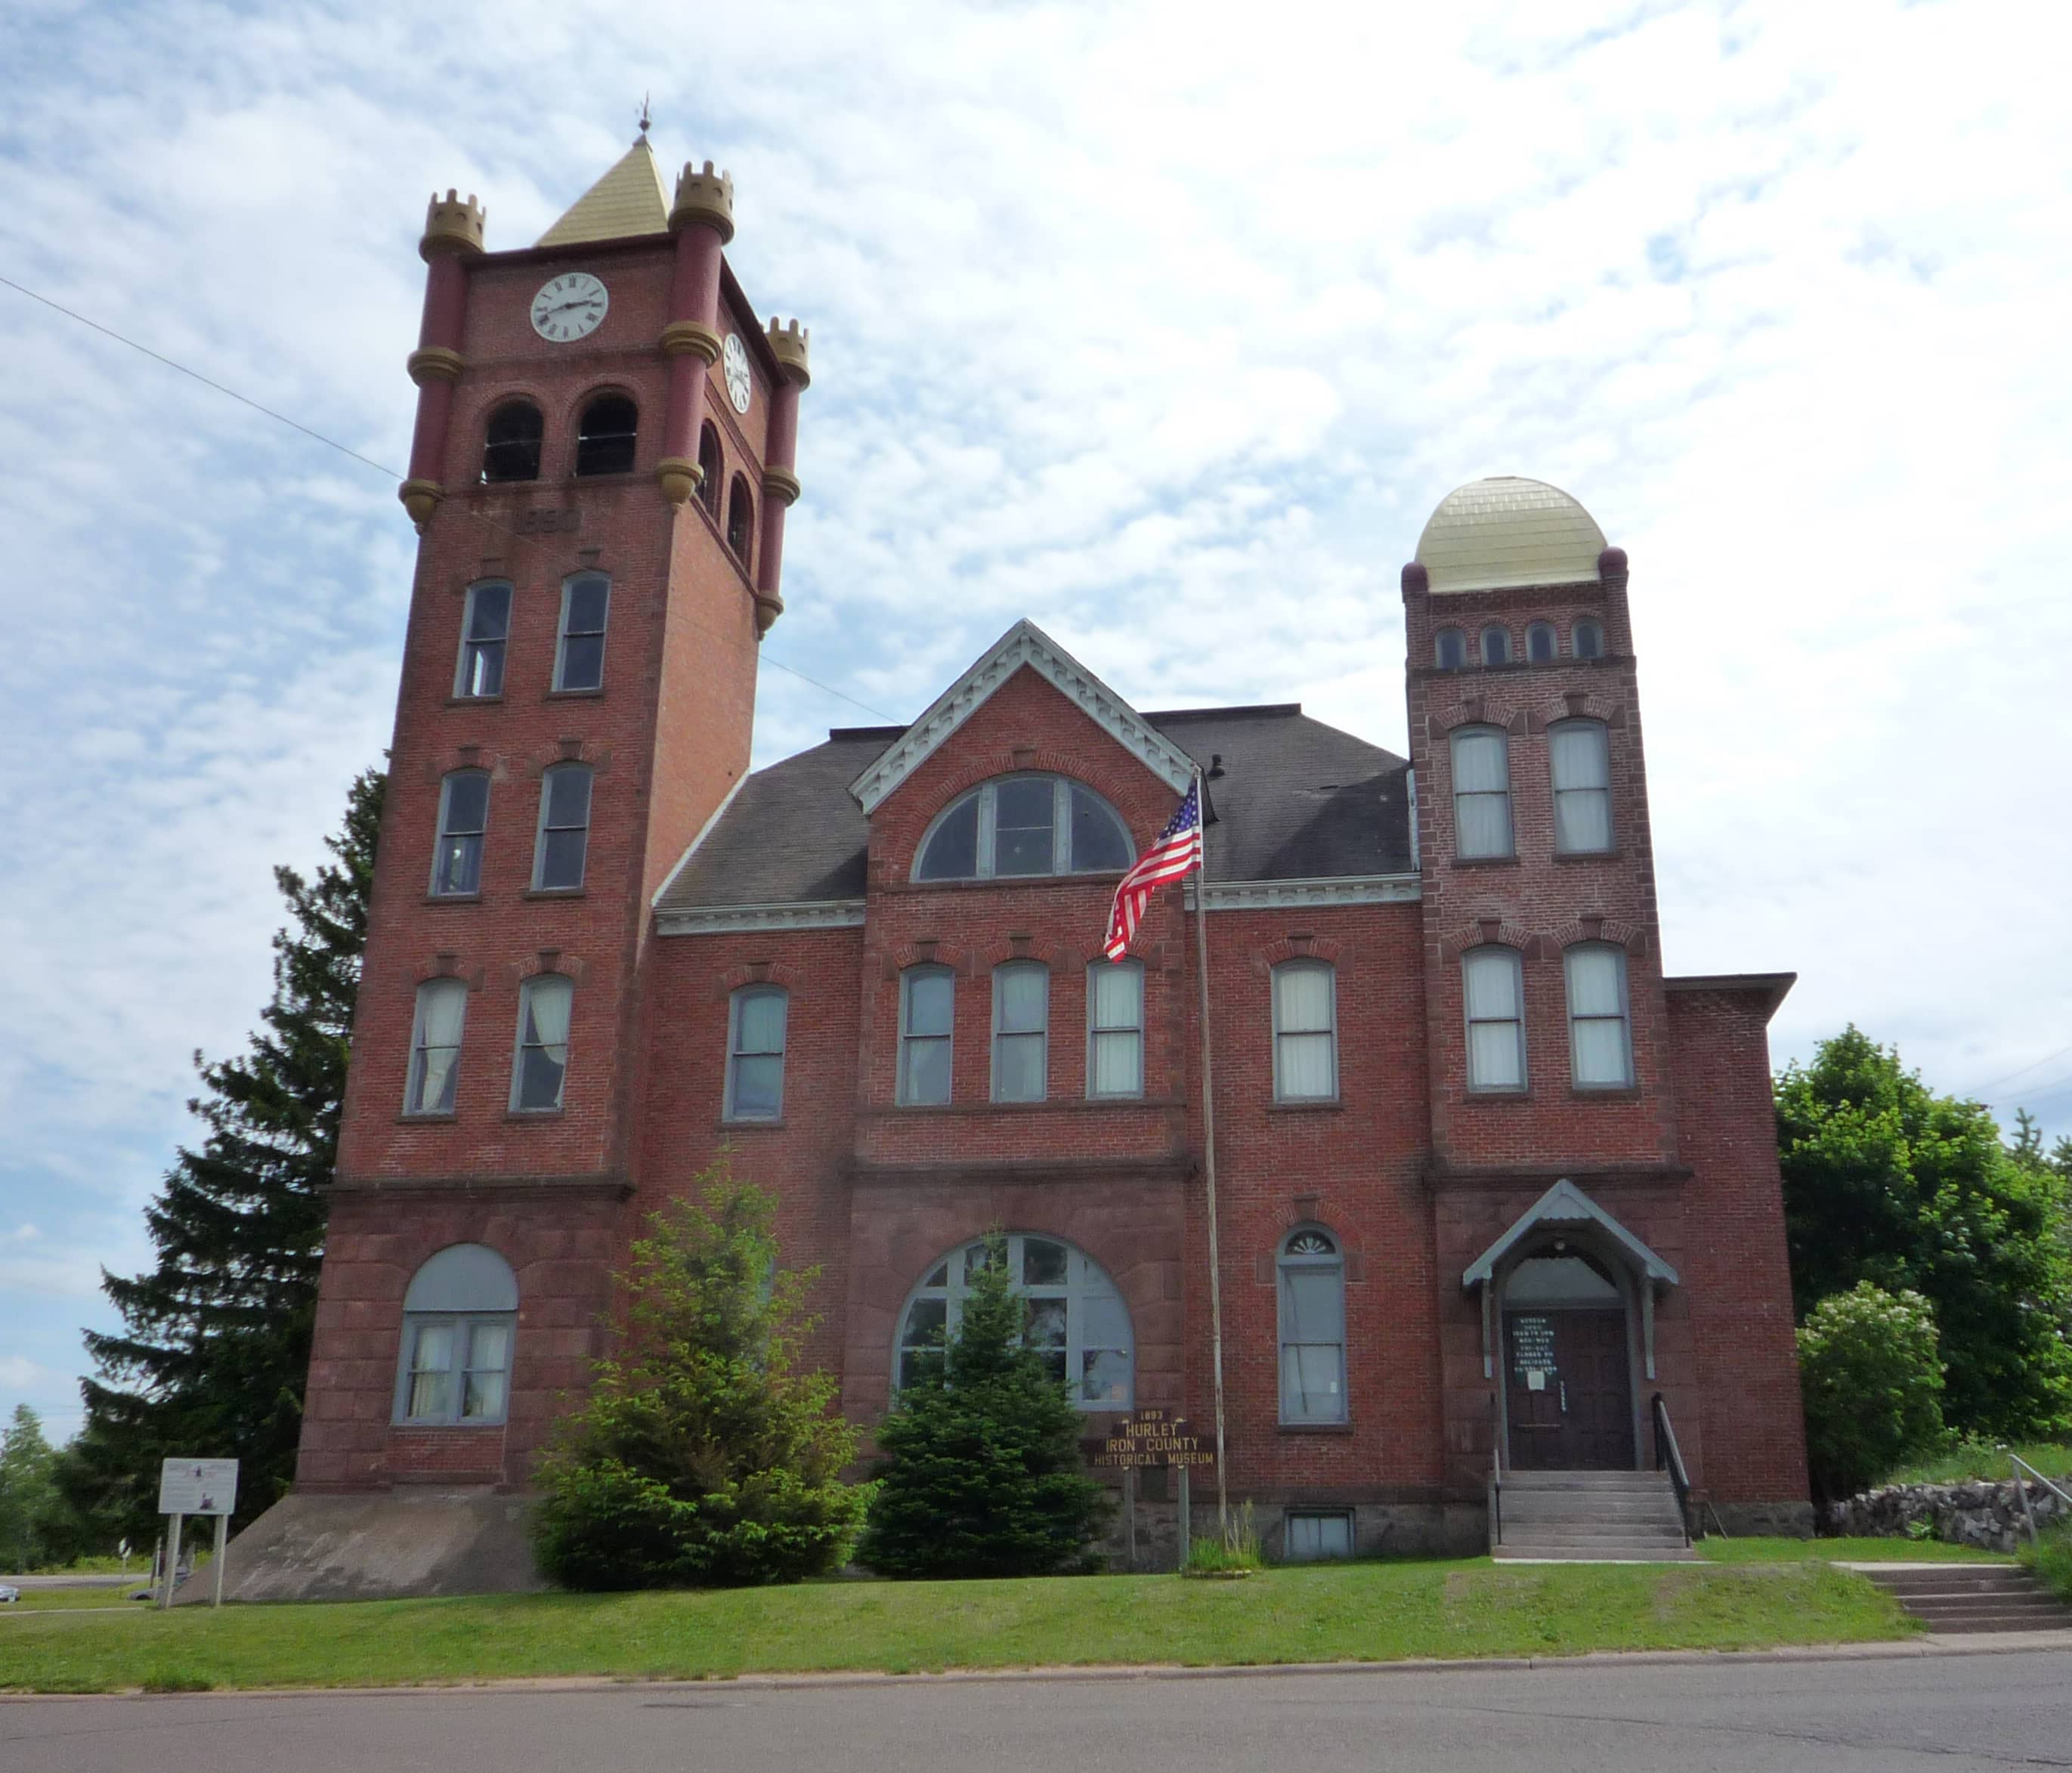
[1163, 328]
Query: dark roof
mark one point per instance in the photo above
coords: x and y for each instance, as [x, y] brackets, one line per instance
[1296, 801]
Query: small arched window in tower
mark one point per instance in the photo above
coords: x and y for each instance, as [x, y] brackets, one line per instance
[511, 443]
[710, 468]
[605, 435]
[740, 519]
[1539, 644]
[1588, 640]
[1496, 645]
[1450, 648]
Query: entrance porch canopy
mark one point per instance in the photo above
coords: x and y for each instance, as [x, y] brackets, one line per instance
[1565, 1207]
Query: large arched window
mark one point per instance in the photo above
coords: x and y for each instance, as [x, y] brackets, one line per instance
[511, 443]
[1312, 1328]
[740, 519]
[607, 435]
[1024, 825]
[1482, 792]
[1077, 1319]
[711, 469]
[459, 1317]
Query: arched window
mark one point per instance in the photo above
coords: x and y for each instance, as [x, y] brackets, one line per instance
[1580, 755]
[1115, 1028]
[540, 1066]
[1021, 1031]
[1496, 646]
[1482, 792]
[435, 1047]
[927, 1007]
[740, 519]
[459, 1316]
[579, 649]
[1494, 983]
[1450, 646]
[463, 818]
[1587, 640]
[1077, 1319]
[485, 628]
[755, 1053]
[1306, 1033]
[1312, 1328]
[711, 469]
[1540, 645]
[1024, 825]
[511, 443]
[1599, 1035]
[563, 844]
[607, 435]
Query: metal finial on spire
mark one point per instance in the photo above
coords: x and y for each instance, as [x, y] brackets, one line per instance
[645, 119]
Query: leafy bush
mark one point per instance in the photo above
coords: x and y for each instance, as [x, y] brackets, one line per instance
[700, 1458]
[1872, 1384]
[982, 1474]
[2049, 1561]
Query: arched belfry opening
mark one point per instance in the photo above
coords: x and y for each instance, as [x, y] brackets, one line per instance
[1568, 1304]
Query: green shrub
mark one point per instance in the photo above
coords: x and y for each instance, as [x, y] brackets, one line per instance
[1872, 1384]
[700, 1458]
[982, 1474]
[2050, 1561]
[1236, 1548]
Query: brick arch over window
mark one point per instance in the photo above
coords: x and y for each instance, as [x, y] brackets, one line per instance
[1587, 928]
[727, 981]
[449, 966]
[572, 967]
[464, 757]
[1576, 704]
[1489, 933]
[1480, 711]
[1264, 959]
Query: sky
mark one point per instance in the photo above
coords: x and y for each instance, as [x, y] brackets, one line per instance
[1166, 325]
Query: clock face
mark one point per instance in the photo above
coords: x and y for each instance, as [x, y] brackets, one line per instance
[571, 305]
[735, 360]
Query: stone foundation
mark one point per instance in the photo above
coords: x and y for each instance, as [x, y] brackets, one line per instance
[1988, 1516]
[1786, 1520]
[1380, 1529]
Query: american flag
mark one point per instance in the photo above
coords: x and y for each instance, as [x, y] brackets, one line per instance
[1177, 849]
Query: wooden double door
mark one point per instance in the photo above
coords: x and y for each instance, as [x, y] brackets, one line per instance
[1568, 1389]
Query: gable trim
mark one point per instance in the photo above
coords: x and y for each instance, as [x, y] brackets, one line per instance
[704, 831]
[1267, 895]
[818, 914]
[1566, 1204]
[1023, 644]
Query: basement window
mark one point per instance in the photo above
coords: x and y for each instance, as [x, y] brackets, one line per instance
[1316, 1535]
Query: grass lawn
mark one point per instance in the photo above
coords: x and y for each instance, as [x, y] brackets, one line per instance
[1349, 1612]
[1843, 1551]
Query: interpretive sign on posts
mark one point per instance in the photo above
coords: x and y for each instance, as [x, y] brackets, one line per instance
[197, 1486]
[1152, 1439]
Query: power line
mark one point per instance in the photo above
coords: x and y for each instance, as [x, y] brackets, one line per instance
[2036, 1065]
[382, 467]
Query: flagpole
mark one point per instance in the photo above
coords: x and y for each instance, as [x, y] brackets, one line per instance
[1209, 1148]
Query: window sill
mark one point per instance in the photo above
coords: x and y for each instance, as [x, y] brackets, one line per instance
[553, 892]
[427, 1119]
[534, 1114]
[1067, 1105]
[1494, 1097]
[434, 1425]
[620, 477]
[728, 1125]
[1587, 855]
[453, 898]
[474, 702]
[1485, 861]
[1610, 1093]
[1332, 1105]
[575, 695]
[1313, 1428]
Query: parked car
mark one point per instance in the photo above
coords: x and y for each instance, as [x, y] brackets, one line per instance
[8, 1594]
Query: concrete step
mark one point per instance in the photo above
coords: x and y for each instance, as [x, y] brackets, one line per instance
[1586, 1480]
[1976, 1598]
[1992, 1621]
[1528, 1508]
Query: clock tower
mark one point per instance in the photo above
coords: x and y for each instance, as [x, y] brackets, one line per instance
[603, 460]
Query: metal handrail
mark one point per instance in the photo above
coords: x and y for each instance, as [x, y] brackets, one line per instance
[1496, 1471]
[1669, 1456]
[2021, 1489]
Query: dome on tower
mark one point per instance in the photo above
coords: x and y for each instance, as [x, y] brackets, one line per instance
[1507, 531]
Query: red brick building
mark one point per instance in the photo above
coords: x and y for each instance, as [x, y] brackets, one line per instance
[1489, 1183]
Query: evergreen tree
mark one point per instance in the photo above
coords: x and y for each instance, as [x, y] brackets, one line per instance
[34, 1521]
[1887, 1183]
[701, 1457]
[216, 1346]
[984, 1476]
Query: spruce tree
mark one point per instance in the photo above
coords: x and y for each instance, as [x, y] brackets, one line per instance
[700, 1458]
[34, 1523]
[984, 1475]
[216, 1344]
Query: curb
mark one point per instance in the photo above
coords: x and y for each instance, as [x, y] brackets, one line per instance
[1982, 1644]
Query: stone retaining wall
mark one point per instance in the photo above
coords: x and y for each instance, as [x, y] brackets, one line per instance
[1985, 1514]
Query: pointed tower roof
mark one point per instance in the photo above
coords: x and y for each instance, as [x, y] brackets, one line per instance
[628, 199]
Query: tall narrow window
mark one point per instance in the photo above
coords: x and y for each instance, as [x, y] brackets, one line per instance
[607, 435]
[1496, 646]
[711, 467]
[558, 859]
[1600, 1038]
[511, 443]
[927, 1005]
[1021, 1031]
[579, 655]
[460, 1313]
[485, 627]
[1450, 647]
[755, 1054]
[542, 1065]
[1587, 639]
[1496, 1019]
[1581, 753]
[1115, 1028]
[435, 1047]
[740, 519]
[1481, 792]
[1306, 1037]
[1312, 1329]
[463, 817]
[1539, 644]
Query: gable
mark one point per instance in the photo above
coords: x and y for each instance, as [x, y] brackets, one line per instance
[1025, 646]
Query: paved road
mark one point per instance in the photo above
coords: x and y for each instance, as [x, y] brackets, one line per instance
[1947, 1713]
